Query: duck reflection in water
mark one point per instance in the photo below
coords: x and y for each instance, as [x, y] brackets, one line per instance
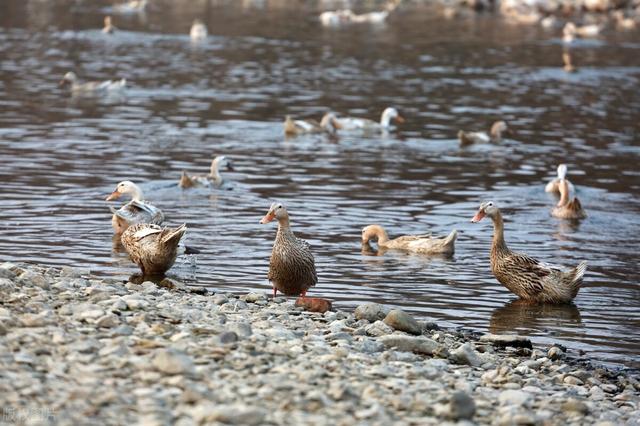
[520, 314]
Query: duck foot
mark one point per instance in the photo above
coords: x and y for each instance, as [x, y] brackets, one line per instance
[313, 304]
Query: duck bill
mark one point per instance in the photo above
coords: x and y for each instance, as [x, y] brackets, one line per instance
[478, 217]
[113, 196]
[267, 218]
[400, 119]
[230, 167]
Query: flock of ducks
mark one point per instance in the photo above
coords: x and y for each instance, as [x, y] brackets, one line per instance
[137, 223]
[292, 269]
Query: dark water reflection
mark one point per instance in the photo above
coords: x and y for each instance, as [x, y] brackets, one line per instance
[187, 103]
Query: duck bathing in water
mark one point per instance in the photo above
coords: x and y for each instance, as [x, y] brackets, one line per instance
[153, 248]
[423, 244]
[525, 276]
[212, 179]
[292, 269]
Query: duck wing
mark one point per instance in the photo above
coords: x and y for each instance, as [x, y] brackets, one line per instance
[524, 271]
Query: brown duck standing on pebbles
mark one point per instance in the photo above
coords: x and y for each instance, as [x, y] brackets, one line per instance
[292, 269]
[567, 208]
[153, 248]
[525, 276]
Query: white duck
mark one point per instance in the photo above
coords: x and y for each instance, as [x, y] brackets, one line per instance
[354, 123]
[554, 185]
[133, 6]
[134, 212]
[336, 18]
[92, 87]
[571, 30]
[198, 31]
[213, 178]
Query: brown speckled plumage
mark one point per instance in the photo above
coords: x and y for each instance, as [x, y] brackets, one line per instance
[151, 247]
[525, 276]
[567, 208]
[292, 268]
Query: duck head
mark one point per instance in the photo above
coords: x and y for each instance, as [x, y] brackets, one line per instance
[276, 211]
[562, 171]
[376, 232]
[500, 128]
[390, 114]
[69, 78]
[330, 123]
[221, 162]
[488, 208]
[126, 187]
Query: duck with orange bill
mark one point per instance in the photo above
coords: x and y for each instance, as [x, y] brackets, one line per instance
[526, 277]
[292, 269]
[135, 211]
[388, 116]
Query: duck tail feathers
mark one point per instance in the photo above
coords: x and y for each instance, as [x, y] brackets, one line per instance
[173, 236]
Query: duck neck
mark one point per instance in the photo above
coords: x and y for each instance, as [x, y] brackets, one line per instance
[213, 172]
[284, 230]
[381, 234]
[499, 245]
[136, 193]
[563, 187]
[385, 120]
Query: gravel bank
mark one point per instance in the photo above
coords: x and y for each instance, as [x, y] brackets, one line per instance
[75, 349]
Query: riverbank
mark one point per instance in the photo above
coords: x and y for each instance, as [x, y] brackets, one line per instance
[74, 347]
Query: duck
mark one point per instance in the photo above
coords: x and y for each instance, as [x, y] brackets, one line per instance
[198, 31]
[423, 244]
[567, 208]
[553, 185]
[328, 124]
[135, 211]
[495, 134]
[91, 87]
[133, 6]
[292, 269]
[623, 22]
[108, 26]
[355, 123]
[335, 18]
[526, 277]
[212, 179]
[571, 30]
[153, 248]
[375, 17]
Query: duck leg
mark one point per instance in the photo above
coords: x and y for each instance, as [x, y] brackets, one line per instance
[274, 292]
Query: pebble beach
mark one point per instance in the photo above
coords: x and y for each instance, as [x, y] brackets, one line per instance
[77, 349]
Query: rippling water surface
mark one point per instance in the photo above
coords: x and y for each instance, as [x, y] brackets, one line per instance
[61, 155]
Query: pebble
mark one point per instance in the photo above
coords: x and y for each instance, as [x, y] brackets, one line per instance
[461, 406]
[555, 353]
[172, 362]
[402, 321]
[420, 345]
[371, 312]
[504, 340]
[515, 397]
[466, 354]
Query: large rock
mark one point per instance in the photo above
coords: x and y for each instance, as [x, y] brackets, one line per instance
[461, 406]
[419, 345]
[504, 340]
[371, 312]
[466, 354]
[402, 321]
[377, 329]
[170, 361]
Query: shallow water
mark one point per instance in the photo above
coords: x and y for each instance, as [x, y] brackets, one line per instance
[227, 95]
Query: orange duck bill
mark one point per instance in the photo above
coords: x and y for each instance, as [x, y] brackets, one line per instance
[268, 218]
[478, 217]
[113, 196]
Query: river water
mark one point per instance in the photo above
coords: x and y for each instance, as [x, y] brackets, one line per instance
[186, 102]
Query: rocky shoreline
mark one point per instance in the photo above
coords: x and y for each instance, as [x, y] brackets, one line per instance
[76, 349]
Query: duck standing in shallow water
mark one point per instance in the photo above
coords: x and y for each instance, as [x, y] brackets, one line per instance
[212, 179]
[495, 134]
[153, 248]
[328, 124]
[91, 87]
[198, 31]
[354, 123]
[134, 212]
[108, 26]
[423, 244]
[292, 268]
[525, 276]
[554, 185]
[567, 208]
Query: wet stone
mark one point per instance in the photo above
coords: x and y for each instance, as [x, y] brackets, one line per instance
[371, 312]
[402, 321]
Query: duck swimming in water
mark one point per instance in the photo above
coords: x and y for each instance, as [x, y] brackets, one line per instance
[135, 211]
[423, 244]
